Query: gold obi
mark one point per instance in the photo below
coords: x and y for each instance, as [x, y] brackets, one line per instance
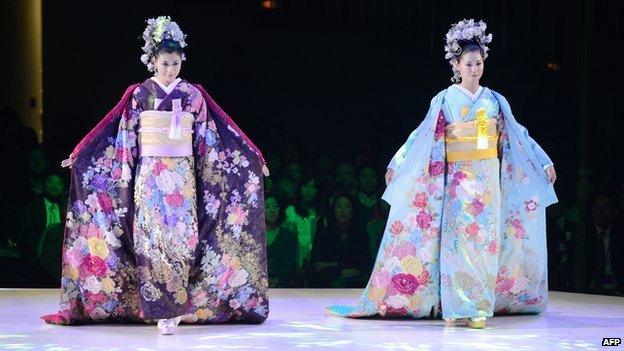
[165, 133]
[472, 140]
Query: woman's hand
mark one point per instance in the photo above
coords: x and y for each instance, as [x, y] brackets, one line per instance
[389, 175]
[552, 175]
[265, 171]
[68, 162]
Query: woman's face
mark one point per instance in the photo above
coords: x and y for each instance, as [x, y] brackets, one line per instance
[54, 186]
[308, 191]
[343, 209]
[470, 67]
[271, 210]
[168, 65]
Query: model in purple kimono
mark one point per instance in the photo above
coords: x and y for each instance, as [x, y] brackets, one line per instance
[466, 233]
[166, 214]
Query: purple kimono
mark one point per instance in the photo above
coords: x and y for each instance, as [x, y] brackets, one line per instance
[151, 237]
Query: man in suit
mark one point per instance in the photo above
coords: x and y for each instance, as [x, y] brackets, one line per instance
[605, 248]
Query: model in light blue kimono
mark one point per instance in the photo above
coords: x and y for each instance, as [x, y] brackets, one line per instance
[466, 234]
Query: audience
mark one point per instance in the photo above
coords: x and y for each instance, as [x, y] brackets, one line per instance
[339, 254]
[282, 246]
[604, 259]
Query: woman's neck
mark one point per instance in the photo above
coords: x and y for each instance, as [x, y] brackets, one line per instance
[470, 86]
[164, 82]
[271, 225]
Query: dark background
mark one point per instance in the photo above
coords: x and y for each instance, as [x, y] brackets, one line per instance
[326, 72]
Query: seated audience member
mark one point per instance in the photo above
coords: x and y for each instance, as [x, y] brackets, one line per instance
[605, 248]
[340, 252]
[40, 214]
[305, 213]
[282, 246]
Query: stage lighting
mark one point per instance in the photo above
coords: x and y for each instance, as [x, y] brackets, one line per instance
[269, 4]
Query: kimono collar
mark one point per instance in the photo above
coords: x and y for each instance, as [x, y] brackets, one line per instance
[167, 88]
[468, 93]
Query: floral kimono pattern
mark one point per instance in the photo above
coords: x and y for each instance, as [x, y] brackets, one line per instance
[463, 238]
[159, 237]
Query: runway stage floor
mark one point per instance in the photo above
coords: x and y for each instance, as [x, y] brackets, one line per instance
[297, 321]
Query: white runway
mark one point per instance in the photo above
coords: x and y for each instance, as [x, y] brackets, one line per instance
[297, 321]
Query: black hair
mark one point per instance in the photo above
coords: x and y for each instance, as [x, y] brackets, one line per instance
[316, 203]
[470, 46]
[168, 46]
[281, 214]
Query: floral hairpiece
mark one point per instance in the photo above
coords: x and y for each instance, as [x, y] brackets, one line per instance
[468, 30]
[159, 29]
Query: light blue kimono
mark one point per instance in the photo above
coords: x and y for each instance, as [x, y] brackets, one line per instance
[464, 238]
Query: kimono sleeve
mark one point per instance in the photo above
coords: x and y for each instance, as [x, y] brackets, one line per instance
[397, 161]
[540, 154]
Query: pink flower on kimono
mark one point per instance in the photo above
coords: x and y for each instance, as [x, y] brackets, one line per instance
[405, 283]
[436, 168]
[396, 228]
[459, 176]
[381, 278]
[453, 190]
[225, 276]
[116, 173]
[420, 200]
[93, 265]
[121, 154]
[472, 229]
[192, 243]
[97, 298]
[251, 303]
[534, 301]
[98, 313]
[92, 231]
[423, 277]
[398, 312]
[234, 303]
[159, 167]
[440, 127]
[520, 232]
[504, 284]
[74, 257]
[174, 200]
[238, 278]
[424, 220]
[199, 297]
[530, 205]
[404, 250]
[475, 207]
[106, 203]
[492, 247]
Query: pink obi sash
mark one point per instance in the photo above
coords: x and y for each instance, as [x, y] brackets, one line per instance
[165, 133]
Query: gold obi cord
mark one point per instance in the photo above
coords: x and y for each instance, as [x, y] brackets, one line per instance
[472, 140]
[165, 133]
